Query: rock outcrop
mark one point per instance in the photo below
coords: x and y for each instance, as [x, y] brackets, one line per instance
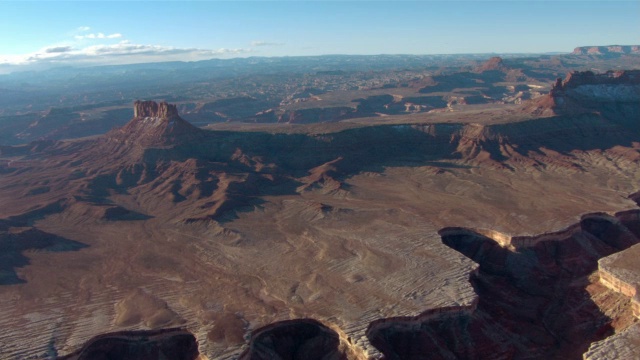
[620, 272]
[587, 84]
[584, 91]
[142, 109]
[176, 344]
[301, 339]
[494, 63]
[614, 93]
[536, 300]
[155, 125]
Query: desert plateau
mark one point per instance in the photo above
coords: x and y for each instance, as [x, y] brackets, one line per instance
[497, 230]
[272, 202]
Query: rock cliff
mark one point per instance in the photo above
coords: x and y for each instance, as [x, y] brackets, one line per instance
[174, 344]
[162, 110]
[536, 300]
[583, 86]
[616, 92]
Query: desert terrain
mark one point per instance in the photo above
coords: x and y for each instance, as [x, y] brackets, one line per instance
[468, 214]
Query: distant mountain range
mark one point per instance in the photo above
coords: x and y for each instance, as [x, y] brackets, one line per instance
[607, 50]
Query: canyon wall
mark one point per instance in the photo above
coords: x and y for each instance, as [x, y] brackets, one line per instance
[534, 297]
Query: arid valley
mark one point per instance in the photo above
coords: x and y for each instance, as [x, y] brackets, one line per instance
[455, 207]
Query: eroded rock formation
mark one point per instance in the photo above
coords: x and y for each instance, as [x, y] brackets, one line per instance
[155, 125]
[142, 109]
[536, 297]
[175, 344]
[494, 63]
[619, 86]
[301, 339]
[614, 93]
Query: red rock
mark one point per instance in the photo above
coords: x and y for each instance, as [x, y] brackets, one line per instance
[152, 109]
[495, 63]
[155, 125]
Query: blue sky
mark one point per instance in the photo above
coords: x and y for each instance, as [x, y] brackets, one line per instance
[93, 32]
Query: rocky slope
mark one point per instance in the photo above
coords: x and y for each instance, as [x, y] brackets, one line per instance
[538, 297]
[17, 237]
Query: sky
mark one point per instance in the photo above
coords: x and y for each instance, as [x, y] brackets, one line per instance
[38, 35]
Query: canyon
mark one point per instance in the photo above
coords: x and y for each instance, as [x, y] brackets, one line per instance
[502, 232]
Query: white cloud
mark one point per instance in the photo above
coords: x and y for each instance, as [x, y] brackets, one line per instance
[126, 48]
[265, 43]
[98, 36]
[100, 49]
[124, 52]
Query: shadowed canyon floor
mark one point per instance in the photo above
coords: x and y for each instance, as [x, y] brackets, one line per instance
[239, 236]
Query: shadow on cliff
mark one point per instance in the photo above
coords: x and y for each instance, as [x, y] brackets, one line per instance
[532, 298]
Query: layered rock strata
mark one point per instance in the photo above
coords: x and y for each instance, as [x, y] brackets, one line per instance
[620, 272]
